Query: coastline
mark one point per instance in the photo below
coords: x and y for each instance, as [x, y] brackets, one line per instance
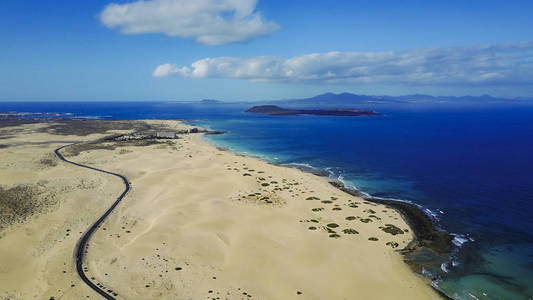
[200, 218]
[430, 247]
[426, 233]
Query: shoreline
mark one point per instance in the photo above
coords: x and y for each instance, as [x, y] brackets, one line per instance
[428, 241]
[198, 221]
[423, 226]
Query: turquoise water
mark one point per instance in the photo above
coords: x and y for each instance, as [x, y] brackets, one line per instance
[471, 169]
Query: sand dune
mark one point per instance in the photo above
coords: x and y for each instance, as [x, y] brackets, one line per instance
[199, 223]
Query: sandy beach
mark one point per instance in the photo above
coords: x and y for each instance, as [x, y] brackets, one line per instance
[199, 223]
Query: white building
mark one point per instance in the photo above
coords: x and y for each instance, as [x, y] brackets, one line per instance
[166, 135]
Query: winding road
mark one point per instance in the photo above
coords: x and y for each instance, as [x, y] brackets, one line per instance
[82, 244]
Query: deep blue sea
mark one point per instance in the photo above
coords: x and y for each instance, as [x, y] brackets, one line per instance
[470, 167]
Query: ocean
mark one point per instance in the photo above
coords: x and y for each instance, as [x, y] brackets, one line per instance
[470, 167]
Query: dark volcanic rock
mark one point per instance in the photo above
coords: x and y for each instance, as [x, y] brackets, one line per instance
[430, 248]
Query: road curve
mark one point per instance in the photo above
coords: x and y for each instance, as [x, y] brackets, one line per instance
[82, 243]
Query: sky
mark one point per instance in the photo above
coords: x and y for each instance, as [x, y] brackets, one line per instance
[246, 50]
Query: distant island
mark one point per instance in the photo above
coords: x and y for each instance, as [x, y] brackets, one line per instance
[275, 110]
[349, 100]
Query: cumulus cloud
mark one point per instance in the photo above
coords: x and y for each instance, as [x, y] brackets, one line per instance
[211, 22]
[480, 65]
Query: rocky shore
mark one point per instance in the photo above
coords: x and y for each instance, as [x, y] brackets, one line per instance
[430, 247]
[198, 222]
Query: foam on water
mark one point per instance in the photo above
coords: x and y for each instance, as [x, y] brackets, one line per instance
[459, 240]
[444, 267]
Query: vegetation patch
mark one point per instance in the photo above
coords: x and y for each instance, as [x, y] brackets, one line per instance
[350, 231]
[392, 244]
[312, 198]
[366, 220]
[81, 127]
[262, 199]
[373, 239]
[75, 150]
[351, 218]
[19, 203]
[124, 151]
[333, 225]
[334, 235]
[50, 160]
[389, 228]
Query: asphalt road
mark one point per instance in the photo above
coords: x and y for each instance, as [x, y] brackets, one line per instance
[82, 243]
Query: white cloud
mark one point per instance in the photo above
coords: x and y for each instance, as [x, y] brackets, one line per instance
[211, 22]
[166, 69]
[479, 65]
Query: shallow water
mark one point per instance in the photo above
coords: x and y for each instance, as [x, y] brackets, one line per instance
[471, 167]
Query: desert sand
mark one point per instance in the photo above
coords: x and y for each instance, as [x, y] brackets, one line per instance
[199, 223]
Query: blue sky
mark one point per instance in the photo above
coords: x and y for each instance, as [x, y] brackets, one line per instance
[253, 50]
